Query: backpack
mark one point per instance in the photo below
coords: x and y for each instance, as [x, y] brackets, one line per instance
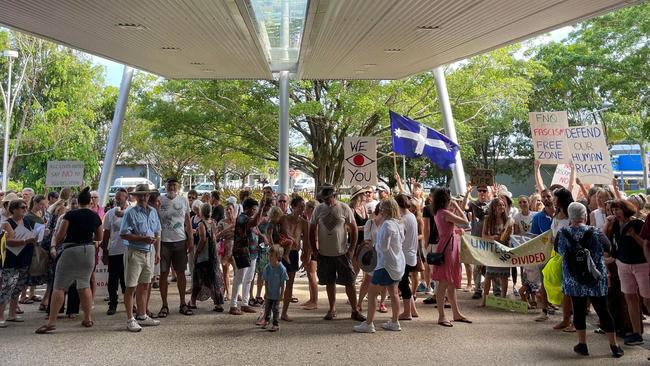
[578, 258]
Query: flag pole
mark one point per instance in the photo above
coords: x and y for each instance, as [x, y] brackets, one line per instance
[394, 163]
[404, 166]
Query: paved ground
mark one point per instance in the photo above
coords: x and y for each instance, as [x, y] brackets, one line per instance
[496, 337]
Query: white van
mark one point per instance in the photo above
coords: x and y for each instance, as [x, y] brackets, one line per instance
[127, 183]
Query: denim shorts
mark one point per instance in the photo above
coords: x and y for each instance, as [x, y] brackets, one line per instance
[380, 277]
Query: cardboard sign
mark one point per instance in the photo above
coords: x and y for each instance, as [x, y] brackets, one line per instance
[549, 138]
[562, 176]
[534, 252]
[590, 154]
[64, 174]
[360, 161]
[482, 177]
[101, 277]
[507, 304]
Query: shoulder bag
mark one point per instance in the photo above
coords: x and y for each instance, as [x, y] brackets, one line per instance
[438, 259]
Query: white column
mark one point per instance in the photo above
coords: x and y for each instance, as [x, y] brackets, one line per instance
[8, 110]
[283, 142]
[114, 137]
[450, 129]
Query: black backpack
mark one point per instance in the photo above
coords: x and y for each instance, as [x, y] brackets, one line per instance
[578, 258]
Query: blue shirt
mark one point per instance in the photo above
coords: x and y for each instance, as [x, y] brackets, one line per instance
[275, 278]
[140, 221]
[540, 223]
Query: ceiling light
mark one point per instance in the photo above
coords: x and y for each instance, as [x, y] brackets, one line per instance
[170, 48]
[208, 70]
[427, 27]
[131, 26]
[369, 65]
[197, 63]
[392, 50]
[359, 71]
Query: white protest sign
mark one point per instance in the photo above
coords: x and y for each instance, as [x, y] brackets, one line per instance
[360, 161]
[64, 174]
[549, 140]
[562, 177]
[590, 154]
[101, 277]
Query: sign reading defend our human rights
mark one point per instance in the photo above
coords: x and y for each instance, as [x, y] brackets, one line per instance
[589, 154]
[549, 138]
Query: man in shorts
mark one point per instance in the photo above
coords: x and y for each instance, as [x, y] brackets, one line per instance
[140, 230]
[176, 242]
[332, 221]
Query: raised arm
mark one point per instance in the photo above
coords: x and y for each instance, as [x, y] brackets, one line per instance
[400, 185]
[617, 194]
[539, 183]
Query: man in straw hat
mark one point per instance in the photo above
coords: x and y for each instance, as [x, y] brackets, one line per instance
[140, 230]
[332, 221]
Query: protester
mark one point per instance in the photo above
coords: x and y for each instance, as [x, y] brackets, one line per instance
[523, 219]
[598, 217]
[140, 229]
[263, 231]
[20, 241]
[331, 223]
[448, 215]
[478, 211]
[430, 245]
[541, 223]
[370, 232]
[623, 229]
[296, 229]
[358, 199]
[192, 196]
[36, 215]
[95, 205]
[389, 269]
[207, 276]
[594, 290]
[218, 210]
[308, 264]
[410, 248]
[245, 255]
[79, 228]
[113, 249]
[176, 242]
[224, 234]
[275, 275]
[562, 198]
[498, 226]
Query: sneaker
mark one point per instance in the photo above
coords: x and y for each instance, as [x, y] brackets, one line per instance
[248, 309]
[542, 317]
[133, 326]
[477, 295]
[581, 349]
[617, 351]
[148, 322]
[364, 328]
[382, 308]
[390, 325]
[111, 310]
[234, 311]
[633, 339]
[421, 287]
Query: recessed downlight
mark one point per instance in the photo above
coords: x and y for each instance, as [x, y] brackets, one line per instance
[392, 50]
[369, 65]
[131, 26]
[196, 63]
[170, 48]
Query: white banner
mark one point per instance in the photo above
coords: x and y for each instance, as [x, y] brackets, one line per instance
[360, 161]
[64, 174]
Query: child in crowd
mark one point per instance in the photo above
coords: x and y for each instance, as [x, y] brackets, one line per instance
[275, 276]
[530, 282]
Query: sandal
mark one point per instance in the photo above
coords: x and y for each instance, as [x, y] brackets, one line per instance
[45, 329]
[218, 308]
[185, 310]
[16, 319]
[164, 311]
[87, 323]
[463, 320]
[37, 298]
[446, 323]
[330, 315]
[294, 300]
[42, 307]
[26, 301]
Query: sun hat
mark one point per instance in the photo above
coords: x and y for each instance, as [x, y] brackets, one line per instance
[356, 190]
[141, 189]
[367, 258]
[383, 187]
[10, 197]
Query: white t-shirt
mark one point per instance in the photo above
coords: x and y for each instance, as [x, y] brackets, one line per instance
[370, 207]
[410, 244]
[370, 231]
[115, 243]
[558, 224]
[390, 255]
[172, 218]
[524, 222]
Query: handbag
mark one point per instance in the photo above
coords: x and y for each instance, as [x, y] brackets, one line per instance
[40, 261]
[438, 259]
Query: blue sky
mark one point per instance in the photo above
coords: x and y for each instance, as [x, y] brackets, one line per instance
[113, 70]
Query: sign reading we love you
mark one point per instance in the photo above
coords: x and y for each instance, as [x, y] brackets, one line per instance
[360, 160]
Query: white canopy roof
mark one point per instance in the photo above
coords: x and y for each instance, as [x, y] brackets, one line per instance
[330, 39]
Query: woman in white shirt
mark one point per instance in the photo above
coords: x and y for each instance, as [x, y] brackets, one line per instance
[390, 266]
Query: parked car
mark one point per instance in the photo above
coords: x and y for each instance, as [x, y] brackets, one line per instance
[128, 182]
[205, 187]
[305, 185]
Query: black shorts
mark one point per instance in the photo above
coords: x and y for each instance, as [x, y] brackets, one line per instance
[295, 262]
[335, 270]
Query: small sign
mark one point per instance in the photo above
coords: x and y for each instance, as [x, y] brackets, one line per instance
[482, 177]
[507, 304]
[64, 174]
[360, 161]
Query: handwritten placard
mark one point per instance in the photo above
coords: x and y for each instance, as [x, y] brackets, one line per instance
[482, 177]
[64, 173]
[590, 154]
[549, 138]
[360, 164]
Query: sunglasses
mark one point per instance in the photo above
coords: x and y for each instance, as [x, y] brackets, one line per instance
[191, 197]
[482, 190]
[282, 201]
[22, 207]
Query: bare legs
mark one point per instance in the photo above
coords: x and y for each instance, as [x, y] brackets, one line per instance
[288, 294]
[468, 273]
[634, 309]
[181, 282]
[363, 290]
[447, 288]
[373, 291]
[312, 303]
[225, 266]
[58, 296]
[140, 297]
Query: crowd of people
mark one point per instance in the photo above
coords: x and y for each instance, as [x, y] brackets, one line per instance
[246, 252]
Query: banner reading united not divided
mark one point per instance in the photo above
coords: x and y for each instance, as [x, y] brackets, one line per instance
[536, 251]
